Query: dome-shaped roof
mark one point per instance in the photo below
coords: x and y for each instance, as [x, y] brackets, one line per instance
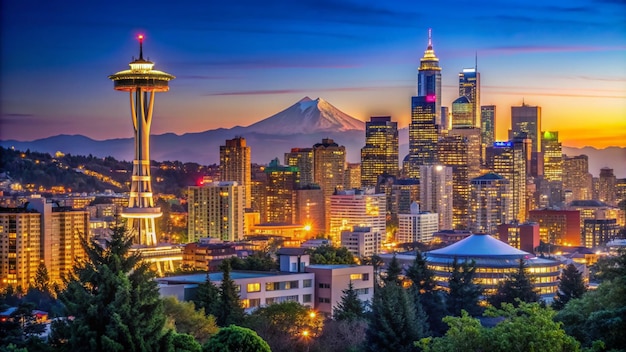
[479, 245]
[461, 100]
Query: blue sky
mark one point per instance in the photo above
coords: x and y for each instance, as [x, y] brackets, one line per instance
[237, 62]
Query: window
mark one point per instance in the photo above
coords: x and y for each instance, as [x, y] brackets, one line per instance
[366, 277]
[306, 298]
[362, 291]
[272, 286]
[356, 276]
[307, 283]
[323, 300]
[251, 303]
[254, 287]
[323, 285]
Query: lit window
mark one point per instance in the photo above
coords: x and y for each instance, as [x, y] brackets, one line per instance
[254, 287]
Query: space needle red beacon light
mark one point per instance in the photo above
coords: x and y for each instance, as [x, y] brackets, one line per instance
[141, 81]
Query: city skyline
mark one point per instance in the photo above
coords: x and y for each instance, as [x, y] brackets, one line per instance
[240, 63]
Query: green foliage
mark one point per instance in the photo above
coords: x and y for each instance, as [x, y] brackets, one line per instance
[528, 327]
[341, 336]
[21, 329]
[236, 339]
[609, 268]
[424, 289]
[229, 311]
[394, 270]
[185, 319]
[464, 292]
[350, 307]
[207, 297]
[42, 279]
[331, 255]
[283, 325]
[598, 315]
[184, 343]
[257, 261]
[394, 324]
[515, 288]
[571, 286]
[113, 299]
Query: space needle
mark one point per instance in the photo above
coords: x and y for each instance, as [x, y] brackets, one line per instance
[142, 82]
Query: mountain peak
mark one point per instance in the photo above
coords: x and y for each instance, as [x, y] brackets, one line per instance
[308, 116]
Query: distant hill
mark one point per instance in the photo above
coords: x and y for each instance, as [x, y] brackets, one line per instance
[303, 124]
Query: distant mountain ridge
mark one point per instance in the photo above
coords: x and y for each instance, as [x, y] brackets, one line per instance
[299, 126]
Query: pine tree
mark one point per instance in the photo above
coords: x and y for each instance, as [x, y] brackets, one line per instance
[424, 290]
[571, 286]
[464, 293]
[207, 297]
[350, 307]
[394, 270]
[517, 287]
[230, 311]
[394, 325]
[42, 279]
[113, 299]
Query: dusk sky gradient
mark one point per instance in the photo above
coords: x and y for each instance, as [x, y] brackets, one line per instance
[237, 62]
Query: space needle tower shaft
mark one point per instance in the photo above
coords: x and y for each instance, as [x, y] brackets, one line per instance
[142, 82]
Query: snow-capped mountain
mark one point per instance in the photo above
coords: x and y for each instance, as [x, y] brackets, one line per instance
[307, 116]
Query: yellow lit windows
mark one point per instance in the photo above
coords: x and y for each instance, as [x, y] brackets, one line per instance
[254, 287]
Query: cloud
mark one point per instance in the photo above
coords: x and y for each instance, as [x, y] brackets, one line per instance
[301, 90]
[514, 49]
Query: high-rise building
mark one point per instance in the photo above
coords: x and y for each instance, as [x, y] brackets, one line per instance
[490, 203]
[362, 208]
[454, 151]
[380, 154]
[417, 226]
[552, 156]
[444, 122]
[352, 176]
[142, 82]
[487, 127]
[423, 135]
[606, 186]
[403, 193]
[436, 184]
[472, 140]
[463, 113]
[429, 78]
[526, 122]
[280, 194]
[216, 210]
[469, 86]
[235, 165]
[576, 177]
[523, 236]
[362, 241]
[507, 159]
[20, 242]
[302, 158]
[62, 229]
[557, 226]
[329, 160]
[310, 208]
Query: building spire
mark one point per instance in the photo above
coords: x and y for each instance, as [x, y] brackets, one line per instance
[430, 39]
[140, 37]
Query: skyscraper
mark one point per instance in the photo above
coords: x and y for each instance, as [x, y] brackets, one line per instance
[302, 158]
[508, 159]
[20, 232]
[329, 163]
[429, 77]
[606, 186]
[216, 210]
[490, 203]
[423, 135]
[235, 165]
[142, 82]
[454, 151]
[362, 208]
[463, 113]
[436, 192]
[380, 154]
[526, 120]
[576, 177]
[280, 194]
[469, 86]
[552, 156]
[487, 127]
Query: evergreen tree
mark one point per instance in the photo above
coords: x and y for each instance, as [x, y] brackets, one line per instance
[42, 279]
[229, 311]
[571, 285]
[235, 338]
[515, 288]
[394, 325]
[208, 297]
[394, 270]
[113, 299]
[350, 307]
[464, 293]
[423, 289]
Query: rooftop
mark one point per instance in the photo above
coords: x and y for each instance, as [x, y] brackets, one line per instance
[478, 245]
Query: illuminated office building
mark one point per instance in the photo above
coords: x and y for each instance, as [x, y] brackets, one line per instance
[280, 194]
[524, 236]
[526, 122]
[487, 127]
[507, 159]
[423, 135]
[429, 78]
[472, 141]
[416, 225]
[362, 241]
[444, 122]
[353, 176]
[436, 185]
[142, 82]
[216, 210]
[552, 156]
[329, 164]
[235, 165]
[310, 208]
[20, 246]
[361, 208]
[558, 227]
[463, 113]
[302, 158]
[490, 203]
[454, 151]
[380, 154]
[469, 86]
[606, 186]
[576, 177]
